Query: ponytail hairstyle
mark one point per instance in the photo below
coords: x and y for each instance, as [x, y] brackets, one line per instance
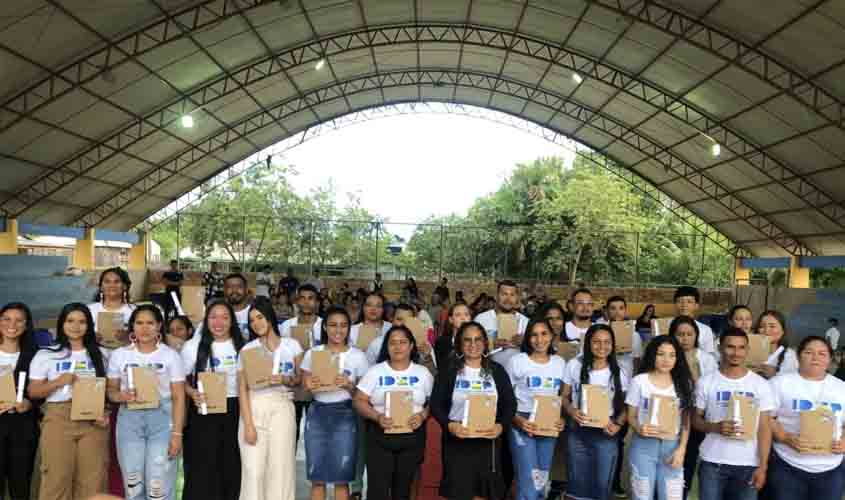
[89, 340]
[615, 372]
[206, 339]
[681, 376]
[784, 340]
[124, 278]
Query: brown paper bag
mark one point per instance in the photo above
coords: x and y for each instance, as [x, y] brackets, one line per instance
[302, 334]
[258, 367]
[193, 302]
[747, 416]
[663, 413]
[108, 324]
[325, 367]
[623, 334]
[506, 326]
[660, 326]
[214, 384]
[817, 430]
[400, 408]
[366, 335]
[568, 350]
[480, 413]
[597, 407]
[8, 391]
[417, 329]
[758, 350]
[546, 415]
[146, 389]
[89, 398]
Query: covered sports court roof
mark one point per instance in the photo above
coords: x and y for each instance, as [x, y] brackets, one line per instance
[94, 92]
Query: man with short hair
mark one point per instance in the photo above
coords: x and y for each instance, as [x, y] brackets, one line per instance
[582, 314]
[316, 281]
[442, 290]
[731, 468]
[263, 282]
[236, 293]
[288, 285]
[687, 303]
[832, 333]
[173, 279]
[377, 285]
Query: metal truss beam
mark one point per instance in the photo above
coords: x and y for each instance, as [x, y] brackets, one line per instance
[487, 82]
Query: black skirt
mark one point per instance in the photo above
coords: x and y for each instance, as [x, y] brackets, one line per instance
[469, 470]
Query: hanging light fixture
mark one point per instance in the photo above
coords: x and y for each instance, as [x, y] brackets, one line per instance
[577, 78]
[715, 149]
[320, 64]
[187, 121]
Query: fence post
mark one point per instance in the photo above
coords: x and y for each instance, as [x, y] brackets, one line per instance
[178, 236]
[637, 261]
[378, 229]
[243, 245]
[442, 233]
[310, 250]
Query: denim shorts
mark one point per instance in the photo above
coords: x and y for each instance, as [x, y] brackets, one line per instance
[331, 442]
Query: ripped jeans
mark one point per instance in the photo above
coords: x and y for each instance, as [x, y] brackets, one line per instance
[532, 459]
[143, 438]
[650, 472]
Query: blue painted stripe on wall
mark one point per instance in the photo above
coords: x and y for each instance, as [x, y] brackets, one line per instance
[107, 234]
[825, 262]
[765, 263]
[49, 230]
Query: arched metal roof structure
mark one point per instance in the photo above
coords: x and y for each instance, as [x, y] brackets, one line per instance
[93, 93]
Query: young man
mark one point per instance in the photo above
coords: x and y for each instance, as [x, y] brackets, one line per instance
[316, 281]
[687, 302]
[235, 293]
[263, 282]
[732, 468]
[442, 290]
[173, 279]
[507, 300]
[377, 285]
[582, 314]
[832, 333]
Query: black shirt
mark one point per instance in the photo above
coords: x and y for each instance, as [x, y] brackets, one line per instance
[176, 276]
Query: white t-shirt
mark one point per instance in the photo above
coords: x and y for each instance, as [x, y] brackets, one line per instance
[224, 359]
[467, 382]
[164, 361]
[790, 362]
[706, 340]
[574, 332]
[626, 361]
[712, 394]
[49, 365]
[289, 349]
[707, 364]
[794, 394]
[639, 395]
[241, 318]
[490, 323]
[8, 361]
[530, 379]
[381, 379]
[263, 281]
[355, 365]
[125, 310]
[832, 335]
[572, 378]
[353, 335]
[316, 333]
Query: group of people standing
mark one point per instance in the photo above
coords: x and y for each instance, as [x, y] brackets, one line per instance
[246, 448]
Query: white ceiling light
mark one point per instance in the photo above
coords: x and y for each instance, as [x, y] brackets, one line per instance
[320, 64]
[577, 78]
[715, 149]
[187, 121]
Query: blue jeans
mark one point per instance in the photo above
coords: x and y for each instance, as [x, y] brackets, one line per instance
[650, 472]
[787, 483]
[143, 437]
[331, 442]
[591, 460]
[532, 459]
[725, 482]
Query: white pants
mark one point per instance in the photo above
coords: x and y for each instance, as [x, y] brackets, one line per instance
[268, 469]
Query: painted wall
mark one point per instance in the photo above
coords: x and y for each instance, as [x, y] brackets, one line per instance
[807, 309]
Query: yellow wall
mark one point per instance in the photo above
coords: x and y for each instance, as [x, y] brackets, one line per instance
[84, 256]
[9, 238]
[799, 277]
[742, 276]
[138, 254]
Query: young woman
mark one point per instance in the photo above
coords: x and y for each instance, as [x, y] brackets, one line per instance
[794, 470]
[212, 451]
[444, 346]
[657, 461]
[740, 317]
[783, 358]
[179, 330]
[644, 322]
[113, 296]
[330, 428]
[283, 308]
[536, 371]
[469, 464]
[372, 314]
[18, 424]
[556, 315]
[699, 364]
[73, 453]
[393, 459]
[592, 452]
[267, 433]
[149, 441]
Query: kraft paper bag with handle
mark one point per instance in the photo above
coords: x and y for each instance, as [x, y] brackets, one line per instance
[108, 324]
[417, 329]
[545, 415]
[568, 350]
[366, 335]
[818, 427]
[258, 367]
[506, 326]
[758, 350]
[399, 406]
[89, 398]
[214, 387]
[595, 403]
[743, 412]
[145, 383]
[660, 326]
[302, 334]
[479, 413]
[325, 367]
[193, 302]
[623, 334]
[663, 413]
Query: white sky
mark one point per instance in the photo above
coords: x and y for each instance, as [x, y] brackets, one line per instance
[409, 167]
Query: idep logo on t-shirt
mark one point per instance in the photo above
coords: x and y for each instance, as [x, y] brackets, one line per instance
[723, 397]
[79, 365]
[286, 367]
[228, 361]
[401, 381]
[471, 385]
[806, 405]
[153, 366]
[543, 383]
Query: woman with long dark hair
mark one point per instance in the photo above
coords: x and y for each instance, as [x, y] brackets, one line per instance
[592, 452]
[18, 425]
[267, 435]
[180, 329]
[740, 317]
[782, 358]
[470, 464]
[444, 346]
[73, 453]
[372, 314]
[644, 322]
[112, 295]
[212, 450]
[149, 441]
[657, 460]
[393, 459]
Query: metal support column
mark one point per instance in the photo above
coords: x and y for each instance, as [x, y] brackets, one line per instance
[442, 242]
